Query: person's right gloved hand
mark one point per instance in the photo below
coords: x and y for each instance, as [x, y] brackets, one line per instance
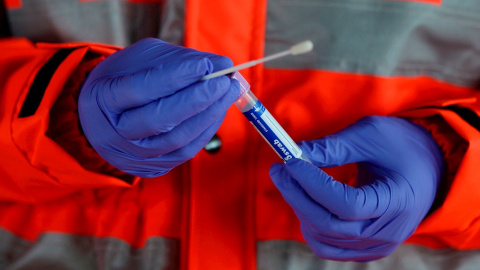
[144, 110]
[399, 168]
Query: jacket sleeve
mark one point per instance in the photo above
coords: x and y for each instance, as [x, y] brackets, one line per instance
[453, 220]
[44, 153]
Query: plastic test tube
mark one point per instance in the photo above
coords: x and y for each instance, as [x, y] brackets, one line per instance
[264, 122]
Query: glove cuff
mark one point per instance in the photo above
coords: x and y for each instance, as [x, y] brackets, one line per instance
[453, 148]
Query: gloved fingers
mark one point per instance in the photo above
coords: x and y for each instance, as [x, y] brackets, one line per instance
[219, 62]
[145, 168]
[132, 90]
[305, 208]
[191, 149]
[330, 252]
[146, 54]
[310, 211]
[185, 132]
[163, 115]
[328, 236]
[363, 141]
[333, 150]
[380, 140]
[334, 252]
[346, 202]
[156, 166]
[134, 77]
[347, 234]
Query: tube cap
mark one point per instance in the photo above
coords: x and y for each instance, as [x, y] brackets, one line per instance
[244, 85]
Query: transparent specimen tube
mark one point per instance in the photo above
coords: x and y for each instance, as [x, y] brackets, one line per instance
[264, 122]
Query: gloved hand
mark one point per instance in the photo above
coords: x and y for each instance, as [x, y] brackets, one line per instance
[399, 169]
[145, 111]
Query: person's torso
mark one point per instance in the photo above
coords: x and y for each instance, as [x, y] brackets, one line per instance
[221, 210]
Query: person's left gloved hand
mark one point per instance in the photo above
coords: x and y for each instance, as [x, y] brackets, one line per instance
[145, 110]
[399, 168]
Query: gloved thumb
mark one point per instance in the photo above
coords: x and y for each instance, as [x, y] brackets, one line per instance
[347, 202]
[333, 150]
[363, 141]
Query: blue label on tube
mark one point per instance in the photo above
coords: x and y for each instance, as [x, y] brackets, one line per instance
[272, 132]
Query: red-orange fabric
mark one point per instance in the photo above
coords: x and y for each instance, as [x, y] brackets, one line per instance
[218, 205]
[65, 129]
[308, 104]
[34, 168]
[44, 189]
[222, 215]
[456, 222]
[13, 3]
[321, 104]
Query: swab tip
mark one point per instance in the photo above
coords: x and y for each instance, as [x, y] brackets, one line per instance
[301, 47]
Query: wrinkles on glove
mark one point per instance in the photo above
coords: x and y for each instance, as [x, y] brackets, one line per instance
[132, 124]
[399, 169]
[145, 110]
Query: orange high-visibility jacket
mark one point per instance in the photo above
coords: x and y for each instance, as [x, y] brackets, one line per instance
[415, 59]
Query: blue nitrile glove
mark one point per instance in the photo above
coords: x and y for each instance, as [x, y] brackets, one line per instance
[145, 111]
[399, 168]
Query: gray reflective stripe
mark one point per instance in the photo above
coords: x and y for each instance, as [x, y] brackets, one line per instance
[114, 22]
[173, 22]
[11, 248]
[384, 38]
[63, 251]
[292, 255]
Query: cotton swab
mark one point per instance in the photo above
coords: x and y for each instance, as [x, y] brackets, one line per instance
[299, 48]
